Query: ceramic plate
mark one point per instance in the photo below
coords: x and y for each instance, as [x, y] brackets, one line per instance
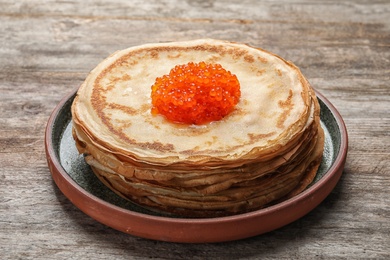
[78, 183]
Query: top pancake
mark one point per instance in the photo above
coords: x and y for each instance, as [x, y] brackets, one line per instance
[113, 105]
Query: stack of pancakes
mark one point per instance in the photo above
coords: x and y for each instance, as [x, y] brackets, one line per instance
[268, 149]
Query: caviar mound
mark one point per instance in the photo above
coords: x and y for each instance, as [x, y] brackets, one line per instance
[195, 93]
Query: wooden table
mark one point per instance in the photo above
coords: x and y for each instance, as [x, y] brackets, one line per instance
[48, 47]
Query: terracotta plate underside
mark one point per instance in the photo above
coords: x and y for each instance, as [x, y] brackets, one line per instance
[78, 183]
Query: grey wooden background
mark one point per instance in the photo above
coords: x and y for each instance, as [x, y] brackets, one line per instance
[48, 47]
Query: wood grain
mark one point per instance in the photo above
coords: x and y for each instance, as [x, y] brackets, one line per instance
[48, 47]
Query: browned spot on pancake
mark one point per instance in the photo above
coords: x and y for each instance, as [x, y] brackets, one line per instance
[215, 139]
[260, 72]
[144, 108]
[217, 49]
[205, 47]
[279, 72]
[123, 126]
[208, 143]
[157, 146]
[230, 51]
[249, 58]
[126, 77]
[98, 98]
[239, 53]
[214, 58]
[256, 137]
[126, 109]
[123, 123]
[286, 106]
[239, 111]
[154, 54]
[222, 51]
[272, 86]
[153, 122]
[190, 131]
[133, 62]
[113, 80]
[174, 56]
[110, 87]
[262, 59]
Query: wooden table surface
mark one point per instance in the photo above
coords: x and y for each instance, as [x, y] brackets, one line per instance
[48, 47]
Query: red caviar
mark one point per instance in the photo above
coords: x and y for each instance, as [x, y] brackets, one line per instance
[195, 93]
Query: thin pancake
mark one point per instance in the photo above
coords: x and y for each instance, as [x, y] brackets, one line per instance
[113, 105]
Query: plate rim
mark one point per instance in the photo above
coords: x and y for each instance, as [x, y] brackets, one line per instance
[203, 230]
